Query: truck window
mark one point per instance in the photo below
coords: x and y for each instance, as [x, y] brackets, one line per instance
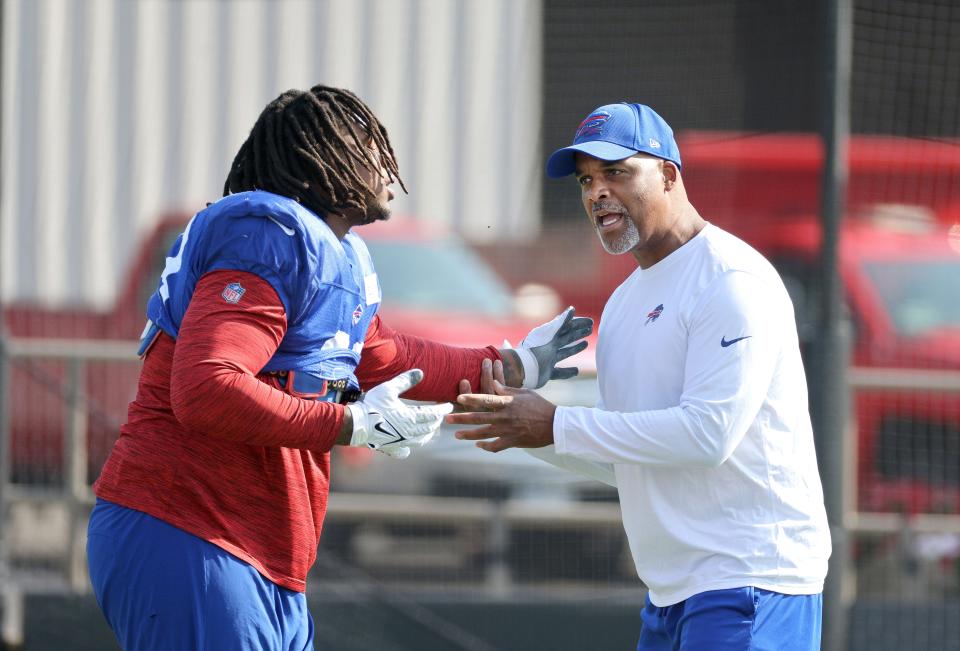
[919, 295]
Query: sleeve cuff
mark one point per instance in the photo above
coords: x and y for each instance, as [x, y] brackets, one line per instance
[531, 370]
[559, 435]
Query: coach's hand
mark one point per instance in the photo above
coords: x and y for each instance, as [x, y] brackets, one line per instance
[550, 343]
[514, 418]
[383, 422]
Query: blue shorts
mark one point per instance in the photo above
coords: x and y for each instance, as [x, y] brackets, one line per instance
[162, 588]
[739, 619]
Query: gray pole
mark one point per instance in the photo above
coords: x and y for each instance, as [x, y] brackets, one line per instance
[828, 379]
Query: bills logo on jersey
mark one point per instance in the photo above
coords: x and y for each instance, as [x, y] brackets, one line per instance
[357, 313]
[654, 314]
[232, 293]
[592, 125]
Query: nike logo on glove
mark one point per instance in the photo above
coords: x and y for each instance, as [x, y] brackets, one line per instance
[397, 436]
[725, 343]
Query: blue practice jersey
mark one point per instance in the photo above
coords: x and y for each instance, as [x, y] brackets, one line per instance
[328, 287]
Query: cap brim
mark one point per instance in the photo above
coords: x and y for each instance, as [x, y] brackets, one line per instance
[562, 162]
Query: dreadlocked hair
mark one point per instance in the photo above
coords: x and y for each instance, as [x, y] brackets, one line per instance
[307, 145]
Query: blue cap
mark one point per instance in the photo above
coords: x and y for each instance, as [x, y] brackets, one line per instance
[615, 132]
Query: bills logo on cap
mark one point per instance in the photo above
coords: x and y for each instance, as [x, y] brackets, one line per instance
[592, 125]
[357, 313]
[654, 314]
[232, 293]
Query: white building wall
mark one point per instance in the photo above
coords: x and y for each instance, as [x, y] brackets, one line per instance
[115, 112]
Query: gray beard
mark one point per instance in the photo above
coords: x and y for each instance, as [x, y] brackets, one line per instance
[625, 242]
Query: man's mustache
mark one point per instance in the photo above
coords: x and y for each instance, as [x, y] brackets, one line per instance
[609, 206]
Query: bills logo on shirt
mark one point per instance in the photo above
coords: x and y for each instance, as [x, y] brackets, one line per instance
[654, 314]
[357, 313]
[232, 293]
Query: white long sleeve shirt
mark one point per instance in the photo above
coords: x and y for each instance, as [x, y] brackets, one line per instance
[703, 415]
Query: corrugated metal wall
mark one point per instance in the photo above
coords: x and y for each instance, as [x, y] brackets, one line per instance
[115, 111]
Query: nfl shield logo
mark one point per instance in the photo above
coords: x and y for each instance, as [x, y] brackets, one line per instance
[232, 293]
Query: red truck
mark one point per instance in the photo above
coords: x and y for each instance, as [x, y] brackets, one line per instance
[43, 387]
[900, 267]
[899, 262]
[434, 286]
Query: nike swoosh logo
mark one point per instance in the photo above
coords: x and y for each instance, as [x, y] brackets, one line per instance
[397, 436]
[286, 229]
[725, 343]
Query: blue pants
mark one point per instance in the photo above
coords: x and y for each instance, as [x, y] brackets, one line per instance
[739, 619]
[162, 588]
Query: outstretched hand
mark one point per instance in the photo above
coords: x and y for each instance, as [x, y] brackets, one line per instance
[513, 418]
[550, 343]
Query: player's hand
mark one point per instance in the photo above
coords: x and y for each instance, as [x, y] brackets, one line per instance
[513, 418]
[490, 370]
[383, 422]
[548, 344]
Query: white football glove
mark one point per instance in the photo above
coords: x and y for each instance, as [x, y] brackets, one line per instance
[383, 422]
[550, 343]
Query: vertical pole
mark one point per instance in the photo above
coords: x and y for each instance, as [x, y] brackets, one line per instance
[498, 576]
[829, 388]
[75, 484]
[11, 626]
[13, 617]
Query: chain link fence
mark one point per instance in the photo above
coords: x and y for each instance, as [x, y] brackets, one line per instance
[500, 551]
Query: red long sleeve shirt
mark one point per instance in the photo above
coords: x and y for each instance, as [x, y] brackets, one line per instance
[219, 452]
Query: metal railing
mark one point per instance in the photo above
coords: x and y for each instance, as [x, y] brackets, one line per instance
[914, 380]
[494, 518]
[74, 494]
